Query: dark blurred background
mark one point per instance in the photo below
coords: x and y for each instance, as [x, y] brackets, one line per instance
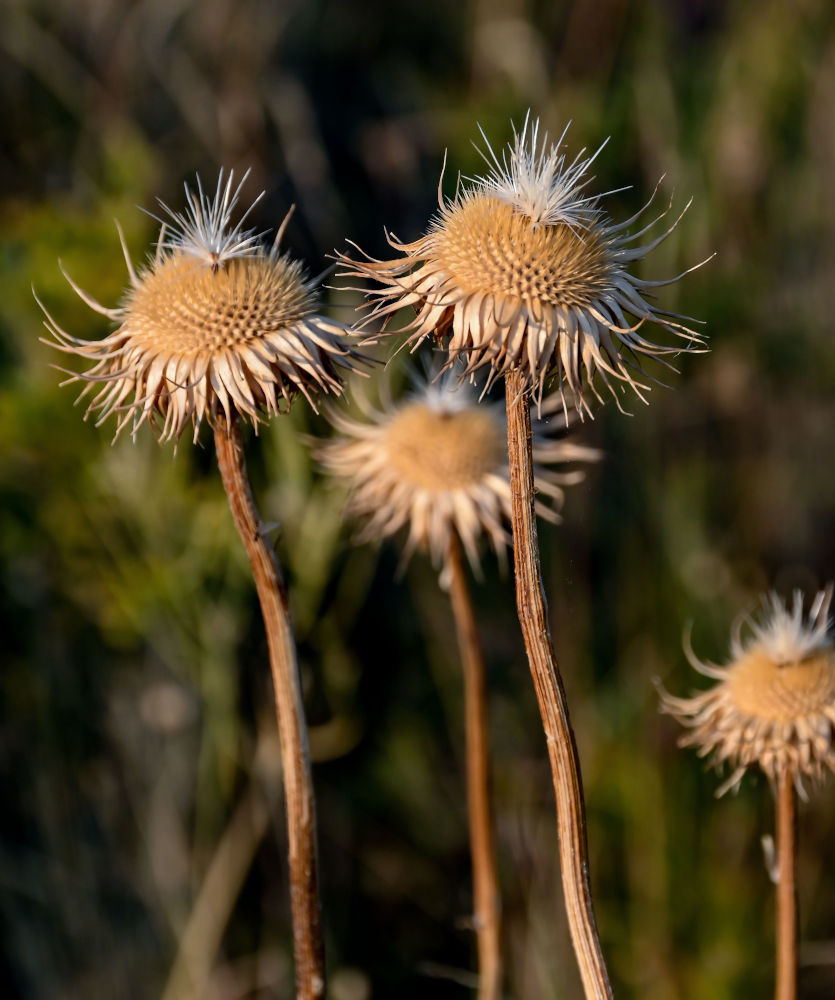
[141, 827]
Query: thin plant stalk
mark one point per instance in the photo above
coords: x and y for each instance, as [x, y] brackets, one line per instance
[553, 707]
[200, 940]
[486, 897]
[786, 803]
[295, 753]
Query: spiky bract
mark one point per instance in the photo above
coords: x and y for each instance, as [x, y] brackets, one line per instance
[215, 324]
[774, 703]
[523, 270]
[437, 463]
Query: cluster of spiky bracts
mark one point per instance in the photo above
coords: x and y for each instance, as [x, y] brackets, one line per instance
[522, 270]
[436, 464]
[218, 324]
[773, 705]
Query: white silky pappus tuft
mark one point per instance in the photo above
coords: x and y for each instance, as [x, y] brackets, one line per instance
[787, 636]
[535, 179]
[203, 230]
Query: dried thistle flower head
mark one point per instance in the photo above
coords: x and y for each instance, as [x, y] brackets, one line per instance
[523, 269]
[437, 462]
[774, 704]
[215, 324]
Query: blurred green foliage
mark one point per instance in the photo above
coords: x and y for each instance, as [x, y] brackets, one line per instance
[134, 687]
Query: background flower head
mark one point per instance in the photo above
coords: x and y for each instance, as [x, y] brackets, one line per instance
[523, 269]
[774, 703]
[216, 323]
[437, 463]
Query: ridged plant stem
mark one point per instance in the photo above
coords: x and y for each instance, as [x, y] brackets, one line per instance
[292, 730]
[553, 707]
[486, 897]
[786, 979]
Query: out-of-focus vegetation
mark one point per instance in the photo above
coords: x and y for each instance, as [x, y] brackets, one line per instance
[136, 742]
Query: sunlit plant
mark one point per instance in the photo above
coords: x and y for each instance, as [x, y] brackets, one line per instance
[523, 273]
[434, 466]
[772, 707]
[219, 327]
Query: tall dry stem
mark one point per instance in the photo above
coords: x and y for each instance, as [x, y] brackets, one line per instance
[786, 803]
[553, 707]
[486, 896]
[295, 753]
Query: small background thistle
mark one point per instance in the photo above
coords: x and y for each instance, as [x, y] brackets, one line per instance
[434, 463]
[717, 492]
[772, 706]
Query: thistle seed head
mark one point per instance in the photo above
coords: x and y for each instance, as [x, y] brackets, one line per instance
[523, 270]
[437, 464]
[216, 324]
[774, 703]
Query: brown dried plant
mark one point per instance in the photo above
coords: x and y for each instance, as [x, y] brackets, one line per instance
[436, 465]
[524, 274]
[773, 706]
[221, 328]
